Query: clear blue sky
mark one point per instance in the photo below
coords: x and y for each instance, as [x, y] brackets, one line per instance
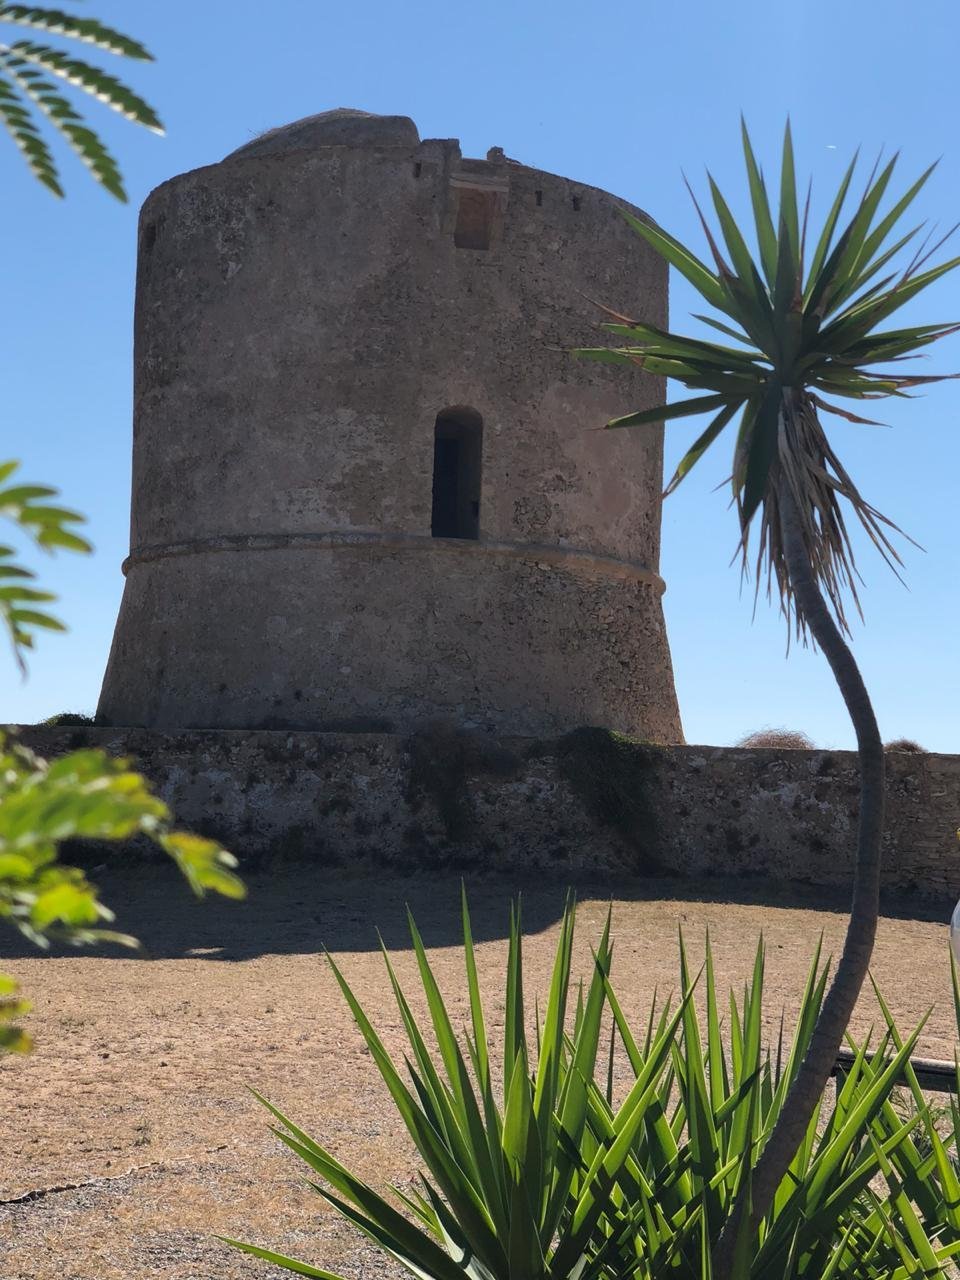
[621, 96]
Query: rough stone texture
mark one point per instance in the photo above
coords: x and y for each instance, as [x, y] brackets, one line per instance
[371, 628]
[303, 315]
[587, 802]
[341, 127]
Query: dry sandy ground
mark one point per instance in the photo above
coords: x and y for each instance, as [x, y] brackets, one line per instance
[136, 1088]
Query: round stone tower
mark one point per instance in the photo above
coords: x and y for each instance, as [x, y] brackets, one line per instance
[369, 488]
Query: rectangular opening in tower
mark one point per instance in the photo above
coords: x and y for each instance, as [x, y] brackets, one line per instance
[457, 446]
[476, 211]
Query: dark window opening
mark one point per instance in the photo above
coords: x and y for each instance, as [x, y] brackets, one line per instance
[457, 448]
[151, 233]
[476, 211]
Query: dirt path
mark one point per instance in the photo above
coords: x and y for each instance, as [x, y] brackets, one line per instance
[130, 1130]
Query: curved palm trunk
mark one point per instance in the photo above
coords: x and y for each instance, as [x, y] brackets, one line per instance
[854, 962]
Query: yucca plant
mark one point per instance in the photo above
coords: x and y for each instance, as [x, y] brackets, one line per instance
[806, 324]
[720, 1103]
[549, 1176]
[937, 1145]
[504, 1173]
[926, 1165]
[32, 73]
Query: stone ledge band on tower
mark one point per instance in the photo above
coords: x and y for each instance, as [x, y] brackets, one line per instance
[333, 540]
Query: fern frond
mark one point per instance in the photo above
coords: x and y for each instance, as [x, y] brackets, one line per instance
[49, 527]
[20, 613]
[27, 138]
[27, 67]
[69, 122]
[83, 75]
[87, 30]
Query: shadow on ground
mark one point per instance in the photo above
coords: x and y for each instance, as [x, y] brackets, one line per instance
[301, 909]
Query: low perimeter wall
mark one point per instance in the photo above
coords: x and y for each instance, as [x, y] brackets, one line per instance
[583, 803]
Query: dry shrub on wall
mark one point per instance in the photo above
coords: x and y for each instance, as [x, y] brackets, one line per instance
[781, 739]
[904, 744]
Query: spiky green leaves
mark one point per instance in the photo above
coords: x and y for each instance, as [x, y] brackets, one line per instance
[802, 332]
[29, 72]
[545, 1175]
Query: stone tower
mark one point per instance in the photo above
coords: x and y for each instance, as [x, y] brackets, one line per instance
[368, 488]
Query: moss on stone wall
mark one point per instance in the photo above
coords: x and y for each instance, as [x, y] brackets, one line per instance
[441, 759]
[612, 776]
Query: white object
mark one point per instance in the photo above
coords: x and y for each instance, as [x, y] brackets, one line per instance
[955, 933]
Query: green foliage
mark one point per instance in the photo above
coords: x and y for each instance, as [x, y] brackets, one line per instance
[84, 795]
[565, 1170]
[29, 74]
[718, 1111]
[22, 605]
[504, 1170]
[13, 1039]
[806, 328]
[955, 1096]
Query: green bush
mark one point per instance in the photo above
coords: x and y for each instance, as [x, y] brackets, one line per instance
[550, 1176]
[83, 795]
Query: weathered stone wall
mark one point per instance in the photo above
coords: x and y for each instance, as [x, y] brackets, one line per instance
[589, 801]
[305, 310]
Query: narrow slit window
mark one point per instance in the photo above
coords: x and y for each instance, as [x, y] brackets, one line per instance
[457, 447]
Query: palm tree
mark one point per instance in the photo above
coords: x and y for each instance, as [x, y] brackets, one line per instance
[806, 333]
[29, 72]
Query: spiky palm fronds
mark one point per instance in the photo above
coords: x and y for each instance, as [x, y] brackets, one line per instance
[29, 72]
[807, 333]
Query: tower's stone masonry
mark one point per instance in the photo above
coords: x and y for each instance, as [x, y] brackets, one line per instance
[367, 488]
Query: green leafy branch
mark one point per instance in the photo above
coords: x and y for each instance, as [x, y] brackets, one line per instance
[13, 1039]
[29, 72]
[50, 527]
[85, 795]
